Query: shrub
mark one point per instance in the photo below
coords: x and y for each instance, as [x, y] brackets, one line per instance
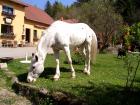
[132, 63]
[77, 58]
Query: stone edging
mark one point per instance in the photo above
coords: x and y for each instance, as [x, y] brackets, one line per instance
[36, 96]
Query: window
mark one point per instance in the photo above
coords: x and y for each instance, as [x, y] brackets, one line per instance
[7, 10]
[35, 33]
[6, 29]
[35, 36]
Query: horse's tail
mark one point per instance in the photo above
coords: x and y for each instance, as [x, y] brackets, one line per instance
[93, 47]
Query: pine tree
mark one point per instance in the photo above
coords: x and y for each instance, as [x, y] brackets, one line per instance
[48, 8]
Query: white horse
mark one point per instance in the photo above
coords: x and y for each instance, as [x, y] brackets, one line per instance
[61, 36]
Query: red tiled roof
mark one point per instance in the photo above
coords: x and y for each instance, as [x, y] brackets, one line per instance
[35, 14]
[19, 2]
[71, 21]
[38, 15]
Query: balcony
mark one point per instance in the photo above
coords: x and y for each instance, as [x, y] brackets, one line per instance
[35, 39]
[9, 36]
[9, 15]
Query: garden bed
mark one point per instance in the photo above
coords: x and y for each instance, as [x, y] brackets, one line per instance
[44, 97]
[6, 59]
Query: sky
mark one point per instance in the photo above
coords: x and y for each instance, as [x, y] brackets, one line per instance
[41, 3]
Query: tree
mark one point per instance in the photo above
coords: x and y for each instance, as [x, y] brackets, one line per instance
[135, 34]
[126, 36]
[132, 36]
[56, 10]
[48, 8]
[129, 9]
[80, 2]
[102, 18]
[99, 14]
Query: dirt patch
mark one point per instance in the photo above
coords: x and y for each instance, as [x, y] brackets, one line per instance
[8, 97]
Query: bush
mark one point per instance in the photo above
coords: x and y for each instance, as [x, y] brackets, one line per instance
[132, 64]
[77, 58]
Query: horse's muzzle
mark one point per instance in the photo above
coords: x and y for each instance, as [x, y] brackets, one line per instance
[30, 80]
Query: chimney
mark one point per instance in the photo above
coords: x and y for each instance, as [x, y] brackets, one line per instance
[62, 18]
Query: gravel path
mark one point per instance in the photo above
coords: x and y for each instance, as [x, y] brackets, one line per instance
[18, 52]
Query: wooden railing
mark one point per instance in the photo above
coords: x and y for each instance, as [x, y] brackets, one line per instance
[35, 39]
[9, 43]
[7, 14]
[7, 36]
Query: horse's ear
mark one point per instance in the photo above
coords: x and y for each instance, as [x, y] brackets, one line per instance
[33, 54]
[36, 58]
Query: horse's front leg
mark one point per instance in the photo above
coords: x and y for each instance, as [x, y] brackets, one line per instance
[57, 74]
[67, 51]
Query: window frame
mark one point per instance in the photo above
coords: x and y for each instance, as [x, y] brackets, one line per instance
[6, 29]
[35, 34]
[7, 10]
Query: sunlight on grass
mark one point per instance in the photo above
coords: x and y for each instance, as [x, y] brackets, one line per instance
[108, 76]
[107, 69]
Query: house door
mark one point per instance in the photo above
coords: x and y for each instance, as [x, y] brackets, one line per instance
[27, 37]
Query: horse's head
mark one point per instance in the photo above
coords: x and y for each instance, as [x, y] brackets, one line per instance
[36, 68]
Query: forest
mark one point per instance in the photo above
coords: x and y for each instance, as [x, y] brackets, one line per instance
[114, 21]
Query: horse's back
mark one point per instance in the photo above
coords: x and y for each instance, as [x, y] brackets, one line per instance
[70, 33]
[61, 25]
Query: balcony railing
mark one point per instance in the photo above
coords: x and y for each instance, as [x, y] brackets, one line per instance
[7, 36]
[35, 39]
[8, 14]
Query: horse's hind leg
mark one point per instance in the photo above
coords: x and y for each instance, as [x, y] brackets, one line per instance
[57, 74]
[67, 51]
[88, 50]
[83, 52]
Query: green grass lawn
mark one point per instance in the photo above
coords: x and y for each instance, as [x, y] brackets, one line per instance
[105, 85]
[4, 80]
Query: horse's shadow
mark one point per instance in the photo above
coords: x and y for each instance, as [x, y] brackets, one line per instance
[47, 73]
[50, 71]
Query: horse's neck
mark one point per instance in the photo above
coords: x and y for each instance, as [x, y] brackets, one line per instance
[42, 47]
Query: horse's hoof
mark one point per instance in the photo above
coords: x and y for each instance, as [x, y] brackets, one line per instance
[87, 73]
[55, 79]
[84, 71]
[73, 77]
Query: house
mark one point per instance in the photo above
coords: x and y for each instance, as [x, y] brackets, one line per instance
[21, 23]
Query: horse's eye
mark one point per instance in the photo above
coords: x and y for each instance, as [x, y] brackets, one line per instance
[33, 67]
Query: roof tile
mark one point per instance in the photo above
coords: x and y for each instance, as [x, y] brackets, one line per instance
[38, 15]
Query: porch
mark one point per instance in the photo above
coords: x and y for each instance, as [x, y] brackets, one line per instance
[8, 40]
